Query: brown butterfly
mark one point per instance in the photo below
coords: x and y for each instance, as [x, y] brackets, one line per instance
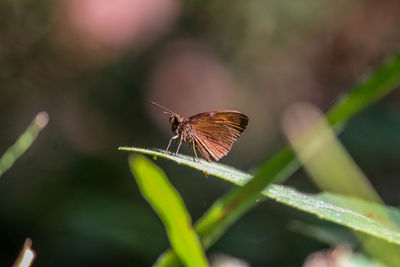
[211, 134]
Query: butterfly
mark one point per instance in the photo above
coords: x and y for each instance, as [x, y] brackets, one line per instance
[210, 134]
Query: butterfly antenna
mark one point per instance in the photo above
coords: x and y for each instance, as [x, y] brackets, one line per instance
[165, 112]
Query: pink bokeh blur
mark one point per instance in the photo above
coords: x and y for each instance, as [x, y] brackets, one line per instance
[102, 27]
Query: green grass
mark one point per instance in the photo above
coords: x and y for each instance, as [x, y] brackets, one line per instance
[169, 205]
[351, 212]
[23, 142]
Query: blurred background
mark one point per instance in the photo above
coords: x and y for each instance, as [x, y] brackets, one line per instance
[96, 65]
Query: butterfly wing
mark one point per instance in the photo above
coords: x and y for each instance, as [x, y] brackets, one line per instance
[214, 132]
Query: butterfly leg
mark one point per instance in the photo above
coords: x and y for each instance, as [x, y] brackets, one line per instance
[180, 142]
[194, 150]
[170, 140]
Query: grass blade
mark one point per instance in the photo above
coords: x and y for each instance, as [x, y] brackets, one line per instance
[168, 204]
[23, 142]
[361, 215]
[331, 168]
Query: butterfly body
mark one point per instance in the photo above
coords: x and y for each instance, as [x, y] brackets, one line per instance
[211, 134]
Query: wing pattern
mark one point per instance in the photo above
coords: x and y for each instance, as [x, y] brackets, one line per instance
[214, 132]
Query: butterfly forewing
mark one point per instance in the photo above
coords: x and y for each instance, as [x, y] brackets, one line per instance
[214, 132]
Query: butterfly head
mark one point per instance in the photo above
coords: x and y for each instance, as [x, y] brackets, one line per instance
[175, 121]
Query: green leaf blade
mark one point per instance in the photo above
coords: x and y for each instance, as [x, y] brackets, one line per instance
[324, 206]
[171, 209]
[352, 212]
[23, 142]
[374, 87]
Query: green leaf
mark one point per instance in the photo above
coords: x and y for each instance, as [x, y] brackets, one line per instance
[331, 235]
[23, 142]
[353, 213]
[167, 202]
[212, 168]
[357, 214]
[371, 89]
[333, 170]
